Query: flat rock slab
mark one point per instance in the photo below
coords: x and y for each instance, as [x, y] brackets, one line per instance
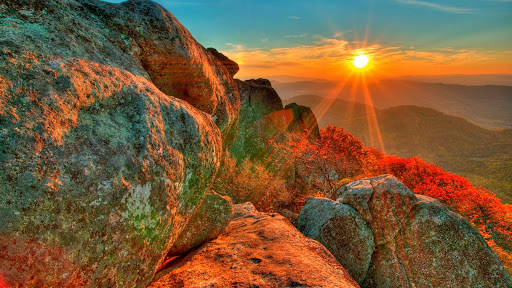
[256, 250]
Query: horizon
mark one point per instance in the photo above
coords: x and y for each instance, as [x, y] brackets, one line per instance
[402, 38]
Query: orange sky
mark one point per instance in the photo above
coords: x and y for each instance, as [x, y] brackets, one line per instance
[331, 58]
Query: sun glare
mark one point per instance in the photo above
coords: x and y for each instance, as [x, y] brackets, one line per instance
[360, 61]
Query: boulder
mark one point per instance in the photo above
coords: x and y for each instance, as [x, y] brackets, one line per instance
[100, 170]
[342, 231]
[210, 218]
[414, 240]
[258, 99]
[383, 202]
[139, 36]
[256, 250]
[176, 63]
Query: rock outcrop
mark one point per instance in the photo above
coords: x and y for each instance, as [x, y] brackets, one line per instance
[174, 61]
[256, 250]
[262, 118]
[100, 170]
[257, 99]
[342, 231]
[386, 236]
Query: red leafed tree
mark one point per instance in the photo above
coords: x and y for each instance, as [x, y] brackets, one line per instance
[325, 163]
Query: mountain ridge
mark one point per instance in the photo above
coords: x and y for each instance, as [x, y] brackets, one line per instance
[487, 106]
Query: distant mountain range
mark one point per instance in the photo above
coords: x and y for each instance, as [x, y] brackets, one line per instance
[484, 156]
[486, 106]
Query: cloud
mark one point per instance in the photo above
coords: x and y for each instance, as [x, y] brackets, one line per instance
[236, 47]
[294, 17]
[450, 9]
[330, 58]
[296, 36]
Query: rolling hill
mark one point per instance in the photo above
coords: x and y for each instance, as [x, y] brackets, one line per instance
[486, 106]
[482, 155]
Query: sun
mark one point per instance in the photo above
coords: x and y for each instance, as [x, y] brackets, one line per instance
[360, 61]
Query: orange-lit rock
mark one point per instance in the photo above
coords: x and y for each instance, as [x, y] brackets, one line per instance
[304, 121]
[138, 36]
[175, 62]
[256, 250]
[231, 65]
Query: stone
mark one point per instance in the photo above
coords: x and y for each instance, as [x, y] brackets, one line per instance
[139, 36]
[304, 121]
[256, 250]
[175, 62]
[417, 241]
[383, 202]
[209, 219]
[257, 99]
[342, 231]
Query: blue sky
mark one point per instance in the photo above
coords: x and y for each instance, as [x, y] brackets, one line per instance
[469, 35]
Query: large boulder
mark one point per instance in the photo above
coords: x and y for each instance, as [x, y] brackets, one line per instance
[342, 231]
[414, 240]
[139, 36]
[175, 62]
[257, 99]
[256, 250]
[100, 170]
[384, 203]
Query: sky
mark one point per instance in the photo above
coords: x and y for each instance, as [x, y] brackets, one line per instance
[319, 39]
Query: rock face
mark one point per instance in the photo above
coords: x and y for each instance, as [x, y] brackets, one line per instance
[342, 231]
[262, 118]
[99, 170]
[209, 219]
[256, 250]
[257, 98]
[388, 237]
